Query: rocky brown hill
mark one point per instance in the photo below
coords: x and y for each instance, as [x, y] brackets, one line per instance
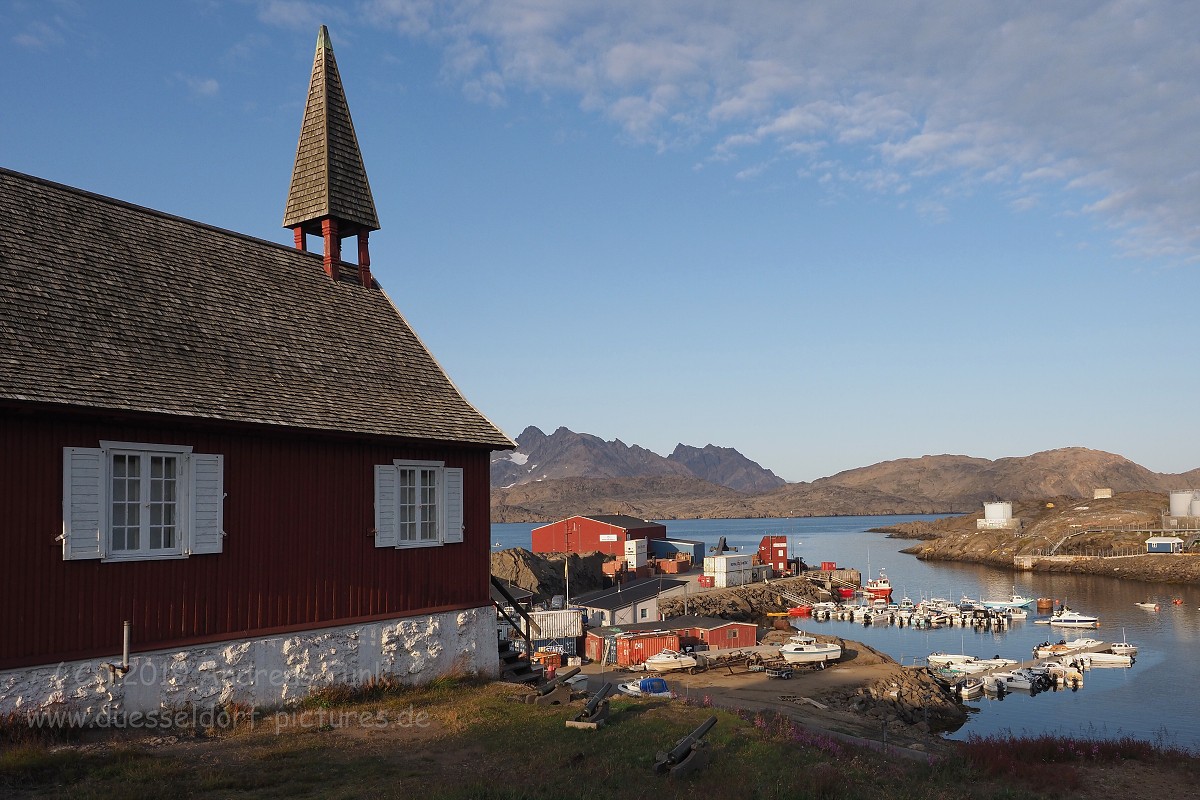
[930, 484]
[566, 454]
[726, 467]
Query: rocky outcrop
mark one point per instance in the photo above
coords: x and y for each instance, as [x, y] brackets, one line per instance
[908, 697]
[743, 603]
[544, 575]
[1083, 530]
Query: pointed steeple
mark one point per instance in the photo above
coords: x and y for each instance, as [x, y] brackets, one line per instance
[330, 196]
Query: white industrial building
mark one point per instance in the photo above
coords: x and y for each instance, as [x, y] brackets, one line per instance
[998, 516]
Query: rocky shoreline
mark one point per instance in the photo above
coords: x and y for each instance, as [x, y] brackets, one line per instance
[1076, 530]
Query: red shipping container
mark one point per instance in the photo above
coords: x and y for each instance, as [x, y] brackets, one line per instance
[706, 581]
[828, 566]
[636, 649]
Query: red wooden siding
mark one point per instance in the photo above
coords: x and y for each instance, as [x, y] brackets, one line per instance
[299, 551]
[582, 535]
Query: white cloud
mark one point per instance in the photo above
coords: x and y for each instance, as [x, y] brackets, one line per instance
[1081, 97]
[202, 87]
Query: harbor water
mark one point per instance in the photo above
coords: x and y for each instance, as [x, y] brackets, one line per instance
[1154, 700]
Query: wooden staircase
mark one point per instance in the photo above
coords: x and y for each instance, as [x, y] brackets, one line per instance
[515, 667]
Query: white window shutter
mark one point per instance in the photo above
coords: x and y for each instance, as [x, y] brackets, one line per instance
[385, 505]
[207, 504]
[453, 477]
[84, 525]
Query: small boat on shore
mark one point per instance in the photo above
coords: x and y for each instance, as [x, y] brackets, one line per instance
[669, 661]
[805, 649]
[646, 687]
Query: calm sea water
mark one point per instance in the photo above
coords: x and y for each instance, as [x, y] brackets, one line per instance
[1156, 699]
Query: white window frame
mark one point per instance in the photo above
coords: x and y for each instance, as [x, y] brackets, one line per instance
[437, 492]
[89, 498]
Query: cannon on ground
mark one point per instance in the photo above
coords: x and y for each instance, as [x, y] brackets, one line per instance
[688, 754]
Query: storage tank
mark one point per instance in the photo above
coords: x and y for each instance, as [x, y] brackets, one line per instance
[1196, 505]
[997, 512]
[1180, 503]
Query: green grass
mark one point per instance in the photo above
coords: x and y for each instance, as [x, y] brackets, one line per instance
[480, 743]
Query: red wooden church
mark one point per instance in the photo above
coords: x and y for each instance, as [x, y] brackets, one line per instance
[238, 446]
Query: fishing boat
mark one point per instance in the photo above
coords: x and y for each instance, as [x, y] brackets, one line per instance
[879, 587]
[670, 660]
[1149, 605]
[1067, 618]
[805, 649]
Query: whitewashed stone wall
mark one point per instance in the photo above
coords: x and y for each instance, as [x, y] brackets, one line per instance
[260, 672]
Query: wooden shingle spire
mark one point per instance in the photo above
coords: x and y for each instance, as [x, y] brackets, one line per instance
[329, 195]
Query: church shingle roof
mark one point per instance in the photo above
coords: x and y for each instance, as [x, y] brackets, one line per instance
[109, 305]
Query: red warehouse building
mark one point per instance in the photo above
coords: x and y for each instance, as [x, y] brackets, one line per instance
[585, 534]
[237, 446]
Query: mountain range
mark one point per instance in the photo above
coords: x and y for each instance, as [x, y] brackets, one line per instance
[553, 476]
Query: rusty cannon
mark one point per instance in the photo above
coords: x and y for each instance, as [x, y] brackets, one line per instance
[555, 692]
[595, 713]
[689, 753]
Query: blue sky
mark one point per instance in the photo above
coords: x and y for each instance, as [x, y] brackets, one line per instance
[824, 234]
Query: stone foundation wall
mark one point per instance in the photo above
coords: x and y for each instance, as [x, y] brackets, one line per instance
[260, 672]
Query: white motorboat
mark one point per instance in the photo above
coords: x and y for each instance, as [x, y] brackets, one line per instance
[1123, 648]
[1017, 613]
[939, 659]
[1065, 648]
[996, 663]
[968, 688]
[1067, 618]
[1027, 679]
[1104, 660]
[669, 661]
[1014, 601]
[1149, 605]
[646, 687]
[804, 649]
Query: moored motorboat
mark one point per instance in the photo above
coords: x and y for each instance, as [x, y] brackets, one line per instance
[939, 659]
[669, 661]
[1067, 618]
[1104, 660]
[1149, 605]
[1014, 601]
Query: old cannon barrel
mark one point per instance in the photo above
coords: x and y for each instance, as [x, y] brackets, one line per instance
[558, 681]
[597, 698]
[685, 744]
